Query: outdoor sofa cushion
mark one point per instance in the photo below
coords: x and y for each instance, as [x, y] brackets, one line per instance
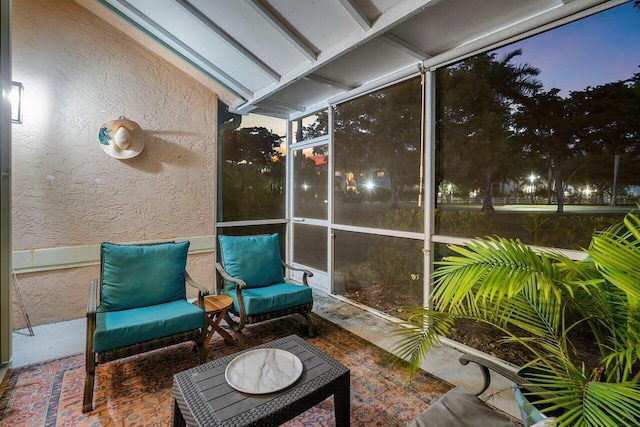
[142, 275]
[279, 296]
[115, 329]
[254, 259]
[460, 408]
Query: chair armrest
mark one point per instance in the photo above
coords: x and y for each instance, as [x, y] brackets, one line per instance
[306, 273]
[486, 365]
[189, 281]
[240, 285]
[92, 306]
[239, 282]
[202, 290]
[92, 302]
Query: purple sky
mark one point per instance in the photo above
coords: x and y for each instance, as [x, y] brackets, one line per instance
[599, 49]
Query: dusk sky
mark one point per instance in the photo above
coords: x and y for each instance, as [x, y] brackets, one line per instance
[599, 49]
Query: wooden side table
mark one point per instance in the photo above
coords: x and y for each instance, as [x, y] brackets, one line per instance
[216, 307]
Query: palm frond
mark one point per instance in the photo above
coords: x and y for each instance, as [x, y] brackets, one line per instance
[419, 334]
[616, 252]
[612, 403]
[491, 268]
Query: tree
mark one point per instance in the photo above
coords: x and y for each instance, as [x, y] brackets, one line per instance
[547, 130]
[317, 128]
[381, 131]
[585, 137]
[610, 131]
[253, 174]
[477, 99]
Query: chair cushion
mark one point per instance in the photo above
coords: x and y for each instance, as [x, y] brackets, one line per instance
[142, 275]
[115, 329]
[271, 298]
[460, 408]
[254, 259]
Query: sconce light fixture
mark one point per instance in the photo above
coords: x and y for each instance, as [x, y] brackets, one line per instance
[17, 91]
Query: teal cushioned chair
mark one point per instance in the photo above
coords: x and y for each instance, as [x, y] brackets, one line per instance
[252, 273]
[140, 305]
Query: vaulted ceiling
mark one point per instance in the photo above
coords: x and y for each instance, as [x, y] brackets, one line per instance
[286, 58]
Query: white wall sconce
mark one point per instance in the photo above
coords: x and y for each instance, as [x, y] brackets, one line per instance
[17, 92]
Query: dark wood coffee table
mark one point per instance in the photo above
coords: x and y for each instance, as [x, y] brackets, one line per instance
[202, 397]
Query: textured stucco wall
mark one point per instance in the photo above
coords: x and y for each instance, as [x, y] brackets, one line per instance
[79, 72]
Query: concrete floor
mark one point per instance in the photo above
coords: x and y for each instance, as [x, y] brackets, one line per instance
[65, 338]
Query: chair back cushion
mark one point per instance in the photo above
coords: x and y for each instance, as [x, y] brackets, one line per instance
[141, 275]
[254, 259]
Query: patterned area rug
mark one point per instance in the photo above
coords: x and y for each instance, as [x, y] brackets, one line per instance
[137, 391]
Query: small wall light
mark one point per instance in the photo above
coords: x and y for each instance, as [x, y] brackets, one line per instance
[17, 90]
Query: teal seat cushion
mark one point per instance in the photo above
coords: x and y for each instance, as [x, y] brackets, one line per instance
[142, 275]
[115, 329]
[254, 259]
[271, 298]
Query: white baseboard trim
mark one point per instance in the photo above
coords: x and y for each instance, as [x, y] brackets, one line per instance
[47, 259]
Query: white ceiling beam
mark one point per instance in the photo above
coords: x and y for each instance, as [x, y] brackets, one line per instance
[313, 108]
[266, 103]
[283, 29]
[243, 109]
[200, 16]
[392, 17]
[406, 47]
[184, 49]
[327, 82]
[270, 113]
[267, 110]
[405, 73]
[356, 13]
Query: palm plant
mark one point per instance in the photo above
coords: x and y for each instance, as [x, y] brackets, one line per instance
[541, 300]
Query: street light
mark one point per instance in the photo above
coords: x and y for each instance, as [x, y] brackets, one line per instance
[532, 178]
[588, 192]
